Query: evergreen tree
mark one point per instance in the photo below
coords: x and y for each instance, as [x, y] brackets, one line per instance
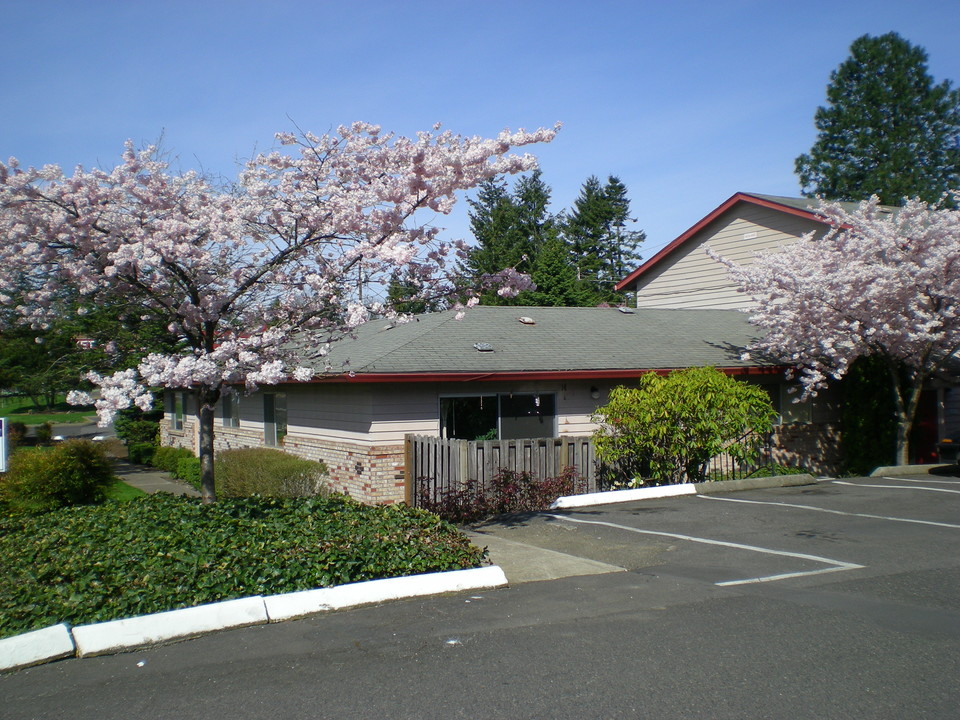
[595, 230]
[887, 129]
[510, 229]
[556, 279]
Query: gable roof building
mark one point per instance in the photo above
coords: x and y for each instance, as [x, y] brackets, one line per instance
[682, 275]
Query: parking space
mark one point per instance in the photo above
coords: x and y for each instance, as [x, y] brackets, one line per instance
[834, 531]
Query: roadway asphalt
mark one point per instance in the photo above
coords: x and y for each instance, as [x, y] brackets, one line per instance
[835, 600]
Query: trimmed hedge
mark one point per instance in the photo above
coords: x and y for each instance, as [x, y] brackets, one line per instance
[141, 453]
[92, 564]
[167, 458]
[188, 470]
[264, 471]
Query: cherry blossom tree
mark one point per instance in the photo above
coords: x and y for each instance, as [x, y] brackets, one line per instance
[882, 283]
[289, 255]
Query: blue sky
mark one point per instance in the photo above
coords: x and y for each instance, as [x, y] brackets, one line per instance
[686, 102]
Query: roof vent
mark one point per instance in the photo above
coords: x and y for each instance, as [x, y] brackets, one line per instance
[483, 347]
[625, 310]
[527, 320]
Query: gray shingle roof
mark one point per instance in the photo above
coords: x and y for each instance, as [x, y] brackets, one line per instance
[561, 340]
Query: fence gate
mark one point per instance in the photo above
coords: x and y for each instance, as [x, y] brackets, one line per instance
[449, 464]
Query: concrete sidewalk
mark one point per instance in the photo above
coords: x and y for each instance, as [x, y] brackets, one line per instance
[151, 480]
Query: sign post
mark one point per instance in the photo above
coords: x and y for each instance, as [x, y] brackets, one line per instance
[3, 444]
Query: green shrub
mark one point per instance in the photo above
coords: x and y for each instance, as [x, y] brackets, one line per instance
[668, 428]
[137, 431]
[75, 472]
[141, 453]
[272, 473]
[166, 458]
[188, 470]
[15, 433]
[92, 564]
[44, 433]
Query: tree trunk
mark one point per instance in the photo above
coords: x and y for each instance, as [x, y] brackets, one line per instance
[207, 398]
[907, 395]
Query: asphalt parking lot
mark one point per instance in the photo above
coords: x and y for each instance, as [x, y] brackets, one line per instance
[834, 600]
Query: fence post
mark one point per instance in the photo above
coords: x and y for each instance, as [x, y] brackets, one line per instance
[408, 479]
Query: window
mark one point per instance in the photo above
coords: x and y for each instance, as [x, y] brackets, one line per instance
[230, 407]
[274, 418]
[178, 410]
[789, 412]
[506, 416]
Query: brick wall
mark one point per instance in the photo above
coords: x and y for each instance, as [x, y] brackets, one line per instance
[815, 446]
[368, 473]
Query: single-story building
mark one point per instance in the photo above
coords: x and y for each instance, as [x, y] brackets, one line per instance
[498, 373]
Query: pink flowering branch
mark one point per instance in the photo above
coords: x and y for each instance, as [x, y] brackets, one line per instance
[297, 246]
[881, 282]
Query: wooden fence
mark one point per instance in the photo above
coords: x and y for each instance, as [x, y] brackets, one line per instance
[443, 465]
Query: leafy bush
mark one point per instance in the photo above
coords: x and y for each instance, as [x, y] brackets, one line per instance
[160, 552]
[188, 470]
[136, 431]
[263, 471]
[510, 491]
[15, 432]
[141, 452]
[668, 428]
[166, 458]
[75, 472]
[44, 433]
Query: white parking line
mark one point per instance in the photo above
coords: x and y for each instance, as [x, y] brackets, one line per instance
[926, 480]
[897, 487]
[833, 512]
[835, 565]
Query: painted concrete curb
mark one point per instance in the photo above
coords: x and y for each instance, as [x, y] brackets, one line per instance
[34, 648]
[662, 491]
[136, 632]
[903, 470]
[307, 602]
[60, 641]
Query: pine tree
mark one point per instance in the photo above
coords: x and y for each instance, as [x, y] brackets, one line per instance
[510, 229]
[887, 129]
[594, 229]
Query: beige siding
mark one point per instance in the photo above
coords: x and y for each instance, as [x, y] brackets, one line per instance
[692, 279]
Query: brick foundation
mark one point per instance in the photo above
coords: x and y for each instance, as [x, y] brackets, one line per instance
[369, 473]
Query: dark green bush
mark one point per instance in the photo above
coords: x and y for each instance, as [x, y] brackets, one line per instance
[166, 458]
[75, 472]
[141, 452]
[263, 471]
[44, 433]
[137, 431]
[160, 552]
[188, 470]
[15, 433]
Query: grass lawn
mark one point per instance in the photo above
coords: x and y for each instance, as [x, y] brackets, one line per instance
[122, 491]
[19, 409]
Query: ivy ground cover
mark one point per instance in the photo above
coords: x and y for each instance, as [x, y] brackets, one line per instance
[96, 563]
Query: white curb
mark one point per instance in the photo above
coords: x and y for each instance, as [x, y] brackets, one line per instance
[145, 630]
[618, 496]
[39, 646]
[307, 602]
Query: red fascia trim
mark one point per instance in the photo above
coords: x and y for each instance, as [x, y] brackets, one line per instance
[532, 375]
[737, 198]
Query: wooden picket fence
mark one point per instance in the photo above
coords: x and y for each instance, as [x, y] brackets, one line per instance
[435, 465]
